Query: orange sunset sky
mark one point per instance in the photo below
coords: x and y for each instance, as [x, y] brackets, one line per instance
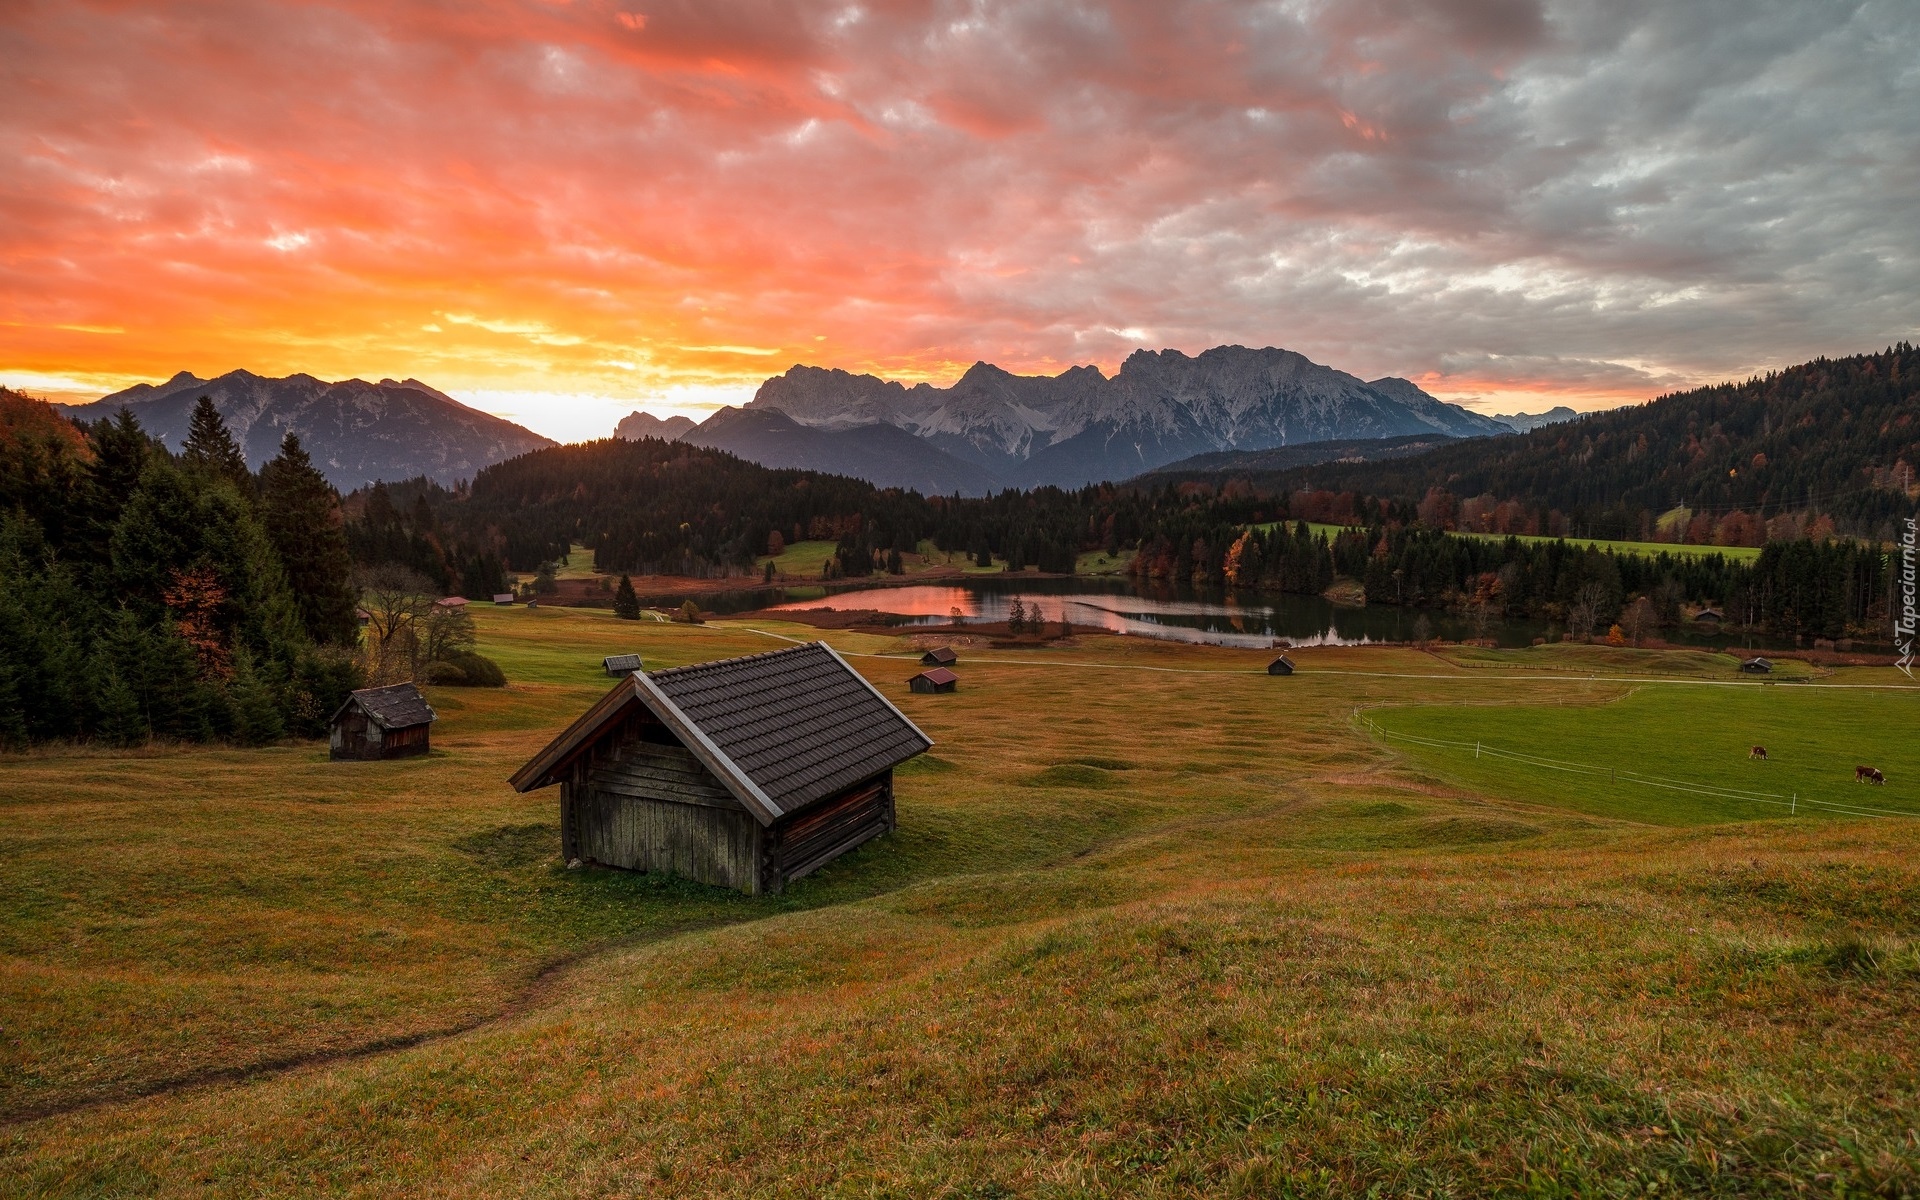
[561, 210]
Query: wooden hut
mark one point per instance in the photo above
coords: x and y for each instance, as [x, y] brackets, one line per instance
[939, 679]
[451, 603]
[1280, 666]
[1757, 666]
[1708, 616]
[504, 599]
[621, 664]
[745, 773]
[939, 656]
[382, 722]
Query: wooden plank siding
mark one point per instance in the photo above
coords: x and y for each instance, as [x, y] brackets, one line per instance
[638, 801]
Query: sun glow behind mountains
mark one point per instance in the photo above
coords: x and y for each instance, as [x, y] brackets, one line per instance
[561, 211]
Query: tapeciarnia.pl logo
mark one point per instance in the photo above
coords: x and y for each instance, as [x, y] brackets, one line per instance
[1909, 616]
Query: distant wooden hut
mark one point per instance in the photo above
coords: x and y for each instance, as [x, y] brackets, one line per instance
[621, 664]
[503, 598]
[382, 722]
[1709, 616]
[746, 773]
[1280, 666]
[940, 656]
[939, 679]
[1757, 666]
[451, 603]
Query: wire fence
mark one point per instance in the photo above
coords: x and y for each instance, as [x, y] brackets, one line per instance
[1793, 803]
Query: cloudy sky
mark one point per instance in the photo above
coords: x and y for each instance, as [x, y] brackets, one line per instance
[563, 209]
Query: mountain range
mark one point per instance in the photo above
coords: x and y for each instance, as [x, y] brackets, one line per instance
[355, 431]
[994, 429]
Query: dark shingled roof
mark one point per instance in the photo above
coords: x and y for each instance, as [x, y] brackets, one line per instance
[396, 706]
[620, 664]
[938, 675]
[941, 656]
[800, 723]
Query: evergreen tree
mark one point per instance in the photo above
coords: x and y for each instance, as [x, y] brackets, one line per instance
[626, 605]
[301, 515]
[256, 713]
[210, 449]
[117, 716]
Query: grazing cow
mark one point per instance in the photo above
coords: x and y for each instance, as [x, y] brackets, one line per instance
[1868, 775]
[1759, 752]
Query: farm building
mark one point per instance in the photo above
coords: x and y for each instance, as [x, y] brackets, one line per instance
[939, 679]
[382, 722]
[1757, 666]
[940, 656]
[745, 773]
[503, 598]
[1709, 615]
[621, 664]
[1280, 666]
[451, 602]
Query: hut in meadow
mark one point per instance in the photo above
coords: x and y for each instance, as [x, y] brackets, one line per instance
[1280, 666]
[939, 656]
[745, 773]
[503, 599]
[382, 722]
[621, 664]
[1757, 666]
[938, 679]
[451, 603]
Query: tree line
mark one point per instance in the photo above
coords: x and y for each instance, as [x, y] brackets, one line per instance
[148, 594]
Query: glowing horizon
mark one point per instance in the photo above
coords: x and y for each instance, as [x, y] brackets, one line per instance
[561, 211]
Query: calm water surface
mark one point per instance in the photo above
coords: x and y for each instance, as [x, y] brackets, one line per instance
[1162, 611]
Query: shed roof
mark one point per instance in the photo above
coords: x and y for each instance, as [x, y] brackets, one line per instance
[396, 706]
[451, 602]
[503, 597]
[780, 730]
[940, 656]
[620, 664]
[938, 675]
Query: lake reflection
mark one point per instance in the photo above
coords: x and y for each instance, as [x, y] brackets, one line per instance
[1185, 615]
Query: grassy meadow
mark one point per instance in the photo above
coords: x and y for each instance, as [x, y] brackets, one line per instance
[1153, 924]
[1646, 549]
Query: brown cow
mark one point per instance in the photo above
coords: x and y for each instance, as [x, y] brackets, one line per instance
[1868, 775]
[1759, 752]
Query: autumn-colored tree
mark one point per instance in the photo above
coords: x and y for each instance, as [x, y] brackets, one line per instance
[194, 597]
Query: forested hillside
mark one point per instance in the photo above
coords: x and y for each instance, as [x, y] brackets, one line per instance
[144, 594]
[1829, 446]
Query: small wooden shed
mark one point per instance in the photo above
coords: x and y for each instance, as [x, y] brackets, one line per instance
[451, 603]
[1280, 666]
[621, 664]
[1708, 616]
[503, 598]
[939, 656]
[382, 722]
[1757, 666]
[745, 773]
[939, 679]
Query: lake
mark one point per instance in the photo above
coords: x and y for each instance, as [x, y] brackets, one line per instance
[1164, 611]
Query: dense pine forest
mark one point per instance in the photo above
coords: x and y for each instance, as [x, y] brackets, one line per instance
[146, 594]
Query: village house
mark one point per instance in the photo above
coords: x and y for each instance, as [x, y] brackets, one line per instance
[746, 773]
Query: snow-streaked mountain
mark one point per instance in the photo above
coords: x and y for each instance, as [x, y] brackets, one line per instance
[355, 431]
[1081, 427]
[882, 454]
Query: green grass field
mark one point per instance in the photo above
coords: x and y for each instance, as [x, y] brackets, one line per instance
[1648, 549]
[1153, 924]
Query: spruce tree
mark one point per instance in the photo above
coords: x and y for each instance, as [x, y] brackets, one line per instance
[626, 605]
[256, 712]
[210, 449]
[301, 514]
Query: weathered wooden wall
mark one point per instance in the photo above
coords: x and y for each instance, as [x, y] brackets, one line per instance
[820, 833]
[638, 800]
